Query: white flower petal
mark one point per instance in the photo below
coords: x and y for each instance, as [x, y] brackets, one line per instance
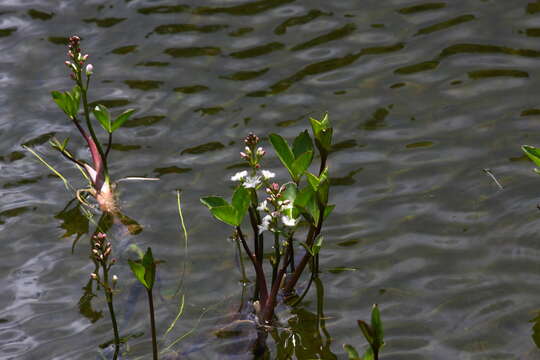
[263, 206]
[267, 174]
[252, 181]
[287, 221]
[239, 176]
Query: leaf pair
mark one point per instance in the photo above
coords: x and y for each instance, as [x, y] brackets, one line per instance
[68, 101]
[145, 269]
[298, 159]
[533, 154]
[316, 247]
[374, 335]
[323, 133]
[232, 213]
[313, 198]
[104, 117]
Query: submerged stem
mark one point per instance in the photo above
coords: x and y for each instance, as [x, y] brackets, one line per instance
[152, 324]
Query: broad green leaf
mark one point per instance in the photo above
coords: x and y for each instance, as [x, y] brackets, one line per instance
[283, 151]
[61, 100]
[122, 119]
[139, 271]
[322, 191]
[227, 214]
[302, 143]
[75, 97]
[301, 164]
[102, 115]
[150, 268]
[376, 326]
[532, 153]
[306, 203]
[214, 201]
[240, 202]
[351, 352]
[312, 180]
[366, 330]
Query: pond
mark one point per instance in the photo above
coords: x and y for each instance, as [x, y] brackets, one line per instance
[423, 96]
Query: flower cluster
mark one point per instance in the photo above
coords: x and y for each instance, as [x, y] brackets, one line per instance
[101, 251]
[253, 154]
[275, 207]
[77, 59]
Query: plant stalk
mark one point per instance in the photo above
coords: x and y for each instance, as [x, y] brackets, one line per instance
[257, 265]
[152, 324]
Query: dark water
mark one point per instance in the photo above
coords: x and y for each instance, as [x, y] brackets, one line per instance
[423, 96]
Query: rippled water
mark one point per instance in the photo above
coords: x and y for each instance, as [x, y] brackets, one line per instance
[423, 96]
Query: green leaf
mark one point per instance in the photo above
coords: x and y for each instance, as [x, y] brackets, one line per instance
[283, 151]
[227, 214]
[290, 194]
[351, 352]
[533, 153]
[102, 115]
[122, 119]
[366, 330]
[61, 100]
[306, 203]
[240, 202]
[302, 144]
[328, 210]
[214, 201]
[322, 131]
[368, 355]
[312, 180]
[301, 164]
[318, 244]
[75, 100]
[376, 326]
[139, 271]
[150, 268]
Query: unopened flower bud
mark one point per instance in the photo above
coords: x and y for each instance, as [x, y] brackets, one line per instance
[243, 155]
[247, 150]
[95, 252]
[85, 57]
[89, 69]
[113, 261]
[107, 252]
[94, 276]
[260, 151]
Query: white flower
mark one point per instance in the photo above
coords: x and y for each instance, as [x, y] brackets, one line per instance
[252, 181]
[265, 224]
[263, 206]
[267, 174]
[286, 206]
[239, 176]
[287, 221]
[89, 69]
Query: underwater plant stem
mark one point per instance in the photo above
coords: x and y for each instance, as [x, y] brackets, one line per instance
[256, 244]
[109, 296]
[152, 324]
[312, 235]
[268, 312]
[277, 258]
[242, 266]
[257, 265]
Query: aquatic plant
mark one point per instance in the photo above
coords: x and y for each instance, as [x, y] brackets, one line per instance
[101, 255]
[374, 335]
[280, 212]
[97, 173]
[145, 271]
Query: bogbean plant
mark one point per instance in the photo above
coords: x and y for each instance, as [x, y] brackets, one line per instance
[101, 186]
[277, 209]
[374, 335]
